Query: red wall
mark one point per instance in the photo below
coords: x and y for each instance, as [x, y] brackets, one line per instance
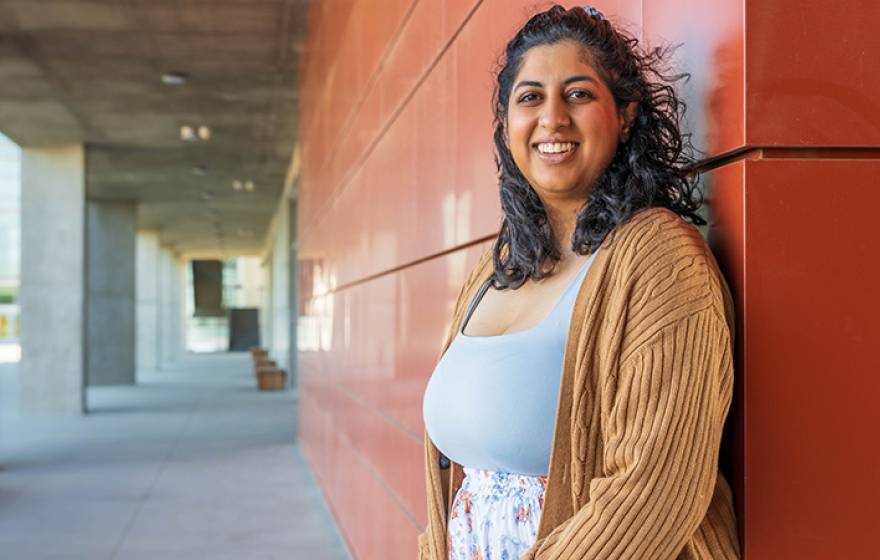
[398, 196]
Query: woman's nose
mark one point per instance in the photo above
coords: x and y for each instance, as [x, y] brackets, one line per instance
[555, 115]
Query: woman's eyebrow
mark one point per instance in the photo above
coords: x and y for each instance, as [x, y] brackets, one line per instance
[580, 78]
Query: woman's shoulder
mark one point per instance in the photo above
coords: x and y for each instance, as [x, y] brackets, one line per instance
[656, 236]
[656, 224]
[660, 252]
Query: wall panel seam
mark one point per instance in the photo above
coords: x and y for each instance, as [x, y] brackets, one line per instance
[371, 82]
[337, 190]
[380, 64]
[378, 411]
[401, 267]
[786, 152]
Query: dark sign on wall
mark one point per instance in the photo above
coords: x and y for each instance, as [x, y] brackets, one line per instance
[208, 288]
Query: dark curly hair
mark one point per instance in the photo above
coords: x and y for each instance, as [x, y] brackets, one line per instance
[653, 167]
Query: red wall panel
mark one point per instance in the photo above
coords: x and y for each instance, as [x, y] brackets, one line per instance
[794, 235]
[810, 385]
[398, 197]
[812, 73]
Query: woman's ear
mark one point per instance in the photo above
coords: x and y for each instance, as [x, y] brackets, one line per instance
[627, 118]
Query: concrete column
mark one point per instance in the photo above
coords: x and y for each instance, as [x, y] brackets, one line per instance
[179, 308]
[110, 307]
[280, 348]
[171, 310]
[51, 372]
[266, 304]
[293, 294]
[147, 301]
[164, 357]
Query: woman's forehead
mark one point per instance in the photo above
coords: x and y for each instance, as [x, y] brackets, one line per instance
[556, 61]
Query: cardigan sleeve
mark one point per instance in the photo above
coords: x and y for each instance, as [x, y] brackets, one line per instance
[660, 450]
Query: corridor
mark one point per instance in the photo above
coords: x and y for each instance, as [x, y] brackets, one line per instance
[193, 462]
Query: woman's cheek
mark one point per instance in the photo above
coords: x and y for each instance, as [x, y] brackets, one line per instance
[519, 127]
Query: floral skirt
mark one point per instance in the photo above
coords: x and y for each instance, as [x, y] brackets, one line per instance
[494, 515]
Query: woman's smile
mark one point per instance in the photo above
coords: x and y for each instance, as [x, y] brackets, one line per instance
[556, 152]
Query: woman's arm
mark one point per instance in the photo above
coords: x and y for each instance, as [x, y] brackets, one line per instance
[661, 445]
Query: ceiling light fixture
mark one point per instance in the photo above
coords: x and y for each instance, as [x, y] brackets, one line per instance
[190, 133]
[249, 186]
[236, 185]
[174, 78]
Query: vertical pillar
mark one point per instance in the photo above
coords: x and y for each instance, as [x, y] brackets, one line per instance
[110, 293]
[178, 308]
[51, 372]
[147, 300]
[280, 303]
[293, 294]
[266, 303]
[170, 307]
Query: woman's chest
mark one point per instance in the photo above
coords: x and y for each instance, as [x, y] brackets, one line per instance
[498, 312]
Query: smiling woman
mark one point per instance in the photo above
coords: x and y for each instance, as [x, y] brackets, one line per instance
[563, 129]
[572, 78]
[581, 414]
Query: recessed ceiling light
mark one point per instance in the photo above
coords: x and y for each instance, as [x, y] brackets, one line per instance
[249, 186]
[190, 133]
[174, 78]
[236, 185]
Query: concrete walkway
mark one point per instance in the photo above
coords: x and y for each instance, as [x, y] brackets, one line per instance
[191, 463]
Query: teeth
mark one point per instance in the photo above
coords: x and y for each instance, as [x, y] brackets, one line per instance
[555, 147]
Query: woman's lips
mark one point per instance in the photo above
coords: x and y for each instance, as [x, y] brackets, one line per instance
[555, 158]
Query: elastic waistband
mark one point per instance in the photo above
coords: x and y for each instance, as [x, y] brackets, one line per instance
[502, 483]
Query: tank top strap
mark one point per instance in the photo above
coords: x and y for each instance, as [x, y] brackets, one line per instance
[474, 302]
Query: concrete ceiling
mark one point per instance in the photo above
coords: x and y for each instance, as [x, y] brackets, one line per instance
[90, 71]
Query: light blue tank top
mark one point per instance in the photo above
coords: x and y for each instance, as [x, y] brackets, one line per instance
[491, 401]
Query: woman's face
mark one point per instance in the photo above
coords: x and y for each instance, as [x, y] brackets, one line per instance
[563, 126]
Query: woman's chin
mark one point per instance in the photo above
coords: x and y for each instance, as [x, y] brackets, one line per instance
[557, 187]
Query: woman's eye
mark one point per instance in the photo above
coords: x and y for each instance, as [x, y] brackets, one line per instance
[581, 94]
[527, 97]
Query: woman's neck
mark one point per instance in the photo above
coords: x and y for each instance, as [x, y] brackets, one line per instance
[563, 220]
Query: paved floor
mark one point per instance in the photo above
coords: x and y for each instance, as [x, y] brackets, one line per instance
[191, 463]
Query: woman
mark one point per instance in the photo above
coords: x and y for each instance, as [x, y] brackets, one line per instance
[577, 407]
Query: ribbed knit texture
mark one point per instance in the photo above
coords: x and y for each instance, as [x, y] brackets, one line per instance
[647, 379]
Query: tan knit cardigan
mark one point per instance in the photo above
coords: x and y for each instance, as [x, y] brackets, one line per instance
[646, 385]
